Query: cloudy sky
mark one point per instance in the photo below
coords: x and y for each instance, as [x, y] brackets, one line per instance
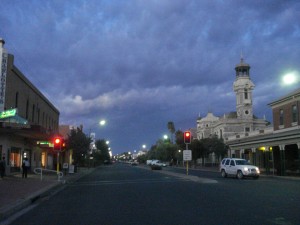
[139, 64]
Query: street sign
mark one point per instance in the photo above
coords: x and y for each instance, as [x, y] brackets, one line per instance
[187, 155]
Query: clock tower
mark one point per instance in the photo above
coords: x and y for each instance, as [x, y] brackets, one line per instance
[243, 87]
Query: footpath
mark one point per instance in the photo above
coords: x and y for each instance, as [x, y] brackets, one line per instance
[16, 192]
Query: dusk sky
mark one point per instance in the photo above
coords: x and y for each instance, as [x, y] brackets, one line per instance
[139, 64]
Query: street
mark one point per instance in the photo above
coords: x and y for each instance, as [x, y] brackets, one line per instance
[124, 194]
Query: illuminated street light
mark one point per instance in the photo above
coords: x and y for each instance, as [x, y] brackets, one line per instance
[102, 122]
[290, 78]
[165, 137]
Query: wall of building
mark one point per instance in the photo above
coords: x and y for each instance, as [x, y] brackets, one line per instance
[42, 117]
[287, 115]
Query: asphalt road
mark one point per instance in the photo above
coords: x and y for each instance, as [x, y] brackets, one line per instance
[127, 195]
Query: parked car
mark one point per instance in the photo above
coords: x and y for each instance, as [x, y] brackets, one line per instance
[134, 163]
[239, 168]
[158, 163]
[148, 162]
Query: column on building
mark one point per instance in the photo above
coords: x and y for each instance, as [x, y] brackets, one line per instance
[282, 160]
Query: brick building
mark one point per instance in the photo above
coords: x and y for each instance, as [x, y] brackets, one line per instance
[275, 150]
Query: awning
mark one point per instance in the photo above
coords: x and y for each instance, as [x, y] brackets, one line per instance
[16, 119]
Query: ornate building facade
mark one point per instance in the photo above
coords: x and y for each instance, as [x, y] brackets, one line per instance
[238, 123]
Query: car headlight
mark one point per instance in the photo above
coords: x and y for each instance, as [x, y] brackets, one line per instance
[257, 170]
[245, 168]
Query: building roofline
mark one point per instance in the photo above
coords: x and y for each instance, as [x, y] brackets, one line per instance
[31, 85]
[291, 95]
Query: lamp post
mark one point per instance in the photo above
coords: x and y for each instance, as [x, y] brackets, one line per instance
[93, 138]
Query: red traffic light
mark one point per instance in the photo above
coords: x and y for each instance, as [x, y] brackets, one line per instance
[57, 144]
[187, 137]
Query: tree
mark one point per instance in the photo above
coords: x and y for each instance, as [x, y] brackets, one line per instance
[171, 128]
[80, 144]
[197, 149]
[163, 151]
[179, 139]
[213, 145]
[218, 147]
[102, 152]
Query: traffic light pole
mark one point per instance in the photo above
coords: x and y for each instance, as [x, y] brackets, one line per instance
[187, 140]
[187, 162]
[57, 163]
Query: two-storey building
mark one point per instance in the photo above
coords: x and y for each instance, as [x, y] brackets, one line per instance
[275, 150]
[28, 119]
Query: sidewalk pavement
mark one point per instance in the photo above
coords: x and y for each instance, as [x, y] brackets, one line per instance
[16, 192]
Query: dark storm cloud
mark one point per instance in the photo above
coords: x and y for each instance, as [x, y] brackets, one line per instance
[140, 64]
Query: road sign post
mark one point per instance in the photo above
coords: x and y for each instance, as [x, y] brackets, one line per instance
[187, 156]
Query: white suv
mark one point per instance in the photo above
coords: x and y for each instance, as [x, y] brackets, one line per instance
[239, 168]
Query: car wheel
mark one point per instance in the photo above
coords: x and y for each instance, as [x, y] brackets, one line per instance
[240, 175]
[223, 173]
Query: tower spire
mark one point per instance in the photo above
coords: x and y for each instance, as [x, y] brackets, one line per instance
[242, 57]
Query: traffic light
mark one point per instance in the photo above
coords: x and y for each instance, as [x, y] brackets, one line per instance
[57, 144]
[63, 144]
[187, 137]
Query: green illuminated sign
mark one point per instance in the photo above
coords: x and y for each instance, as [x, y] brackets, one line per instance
[43, 142]
[8, 113]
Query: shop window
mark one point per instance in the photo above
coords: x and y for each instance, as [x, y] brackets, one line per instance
[15, 159]
[43, 159]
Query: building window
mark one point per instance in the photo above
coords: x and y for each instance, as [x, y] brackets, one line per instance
[294, 114]
[33, 110]
[246, 94]
[17, 100]
[281, 117]
[38, 116]
[27, 109]
[247, 129]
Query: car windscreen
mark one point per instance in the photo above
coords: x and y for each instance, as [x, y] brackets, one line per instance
[241, 162]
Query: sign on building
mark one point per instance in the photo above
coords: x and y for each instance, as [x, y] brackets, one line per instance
[3, 73]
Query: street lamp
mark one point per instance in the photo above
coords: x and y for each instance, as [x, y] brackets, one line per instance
[102, 122]
[92, 137]
[290, 78]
